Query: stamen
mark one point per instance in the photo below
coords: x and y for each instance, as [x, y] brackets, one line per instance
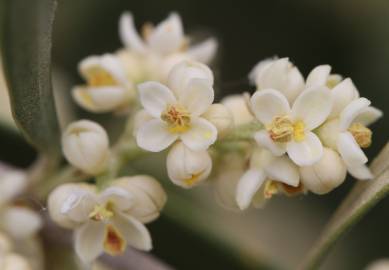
[114, 243]
[193, 179]
[361, 134]
[271, 189]
[177, 118]
[281, 129]
[99, 77]
[101, 212]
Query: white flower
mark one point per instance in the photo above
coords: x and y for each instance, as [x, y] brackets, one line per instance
[348, 133]
[107, 86]
[110, 220]
[326, 174]
[290, 129]
[343, 91]
[380, 264]
[237, 105]
[264, 166]
[279, 74]
[177, 111]
[85, 145]
[166, 39]
[188, 168]
[19, 222]
[221, 117]
[13, 261]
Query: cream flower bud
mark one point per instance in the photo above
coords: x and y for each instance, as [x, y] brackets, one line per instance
[237, 105]
[149, 196]
[64, 195]
[220, 116]
[325, 175]
[188, 168]
[85, 145]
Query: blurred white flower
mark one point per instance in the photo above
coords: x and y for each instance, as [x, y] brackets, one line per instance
[238, 107]
[110, 220]
[19, 222]
[188, 168]
[221, 117]
[177, 111]
[381, 264]
[107, 88]
[278, 74]
[348, 133]
[253, 187]
[13, 261]
[326, 174]
[165, 39]
[290, 129]
[85, 145]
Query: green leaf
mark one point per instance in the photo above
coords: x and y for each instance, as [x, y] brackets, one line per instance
[26, 52]
[364, 196]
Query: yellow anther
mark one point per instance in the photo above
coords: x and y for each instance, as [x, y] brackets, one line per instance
[281, 129]
[271, 188]
[101, 212]
[177, 118]
[114, 243]
[361, 134]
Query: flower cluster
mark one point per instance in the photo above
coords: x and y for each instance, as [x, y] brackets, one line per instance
[292, 136]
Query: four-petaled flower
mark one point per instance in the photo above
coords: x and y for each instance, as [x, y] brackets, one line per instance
[176, 111]
[290, 129]
[110, 220]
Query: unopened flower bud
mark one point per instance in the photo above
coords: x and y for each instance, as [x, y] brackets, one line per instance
[187, 168]
[149, 196]
[325, 175]
[63, 198]
[85, 145]
[220, 116]
[237, 105]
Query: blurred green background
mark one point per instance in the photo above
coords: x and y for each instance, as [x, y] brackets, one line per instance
[195, 233]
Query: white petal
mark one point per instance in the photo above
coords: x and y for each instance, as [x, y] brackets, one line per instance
[247, 186]
[128, 34]
[284, 170]
[342, 95]
[352, 111]
[269, 103]
[257, 71]
[89, 241]
[155, 97]
[183, 72]
[312, 107]
[168, 36]
[102, 99]
[368, 116]
[134, 231]
[350, 151]
[263, 139]
[114, 67]
[197, 97]
[20, 222]
[360, 172]
[318, 76]
[154, 136]
[121, 198]
[204, 52]
[200, 136]
[307, 152]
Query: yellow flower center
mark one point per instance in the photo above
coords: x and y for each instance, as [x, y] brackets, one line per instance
[361, 134]
[102, 212]
[100, 77]
[283, 130]
[114, 243]
[177, 118]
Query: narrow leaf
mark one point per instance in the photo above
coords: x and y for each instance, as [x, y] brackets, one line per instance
[364, 196]
[26, 52]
